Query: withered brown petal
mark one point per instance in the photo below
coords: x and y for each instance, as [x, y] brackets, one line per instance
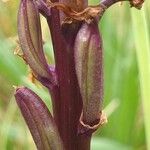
[30, 36]
[89, 70]
[137, 3]
[38, 119]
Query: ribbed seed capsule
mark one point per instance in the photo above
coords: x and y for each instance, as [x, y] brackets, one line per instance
[30, 37]
[38, 119]
[89, 70]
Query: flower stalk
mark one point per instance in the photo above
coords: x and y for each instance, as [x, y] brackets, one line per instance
[75, 82]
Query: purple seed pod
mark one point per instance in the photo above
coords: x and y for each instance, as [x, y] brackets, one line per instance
[89, 70]
[30, 37]
[38, 119]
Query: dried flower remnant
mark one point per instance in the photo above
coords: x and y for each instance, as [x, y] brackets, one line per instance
[87, 15]
[137, 3]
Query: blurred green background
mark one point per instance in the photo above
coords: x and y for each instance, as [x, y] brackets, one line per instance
[126, 39]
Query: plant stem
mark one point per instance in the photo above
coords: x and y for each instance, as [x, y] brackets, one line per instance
[66, 97]
[84, 142]
[68, 107]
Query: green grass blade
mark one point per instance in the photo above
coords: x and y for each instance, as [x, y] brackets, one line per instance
[140, 31]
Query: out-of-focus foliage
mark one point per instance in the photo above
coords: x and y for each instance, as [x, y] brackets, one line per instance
[122, 97]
